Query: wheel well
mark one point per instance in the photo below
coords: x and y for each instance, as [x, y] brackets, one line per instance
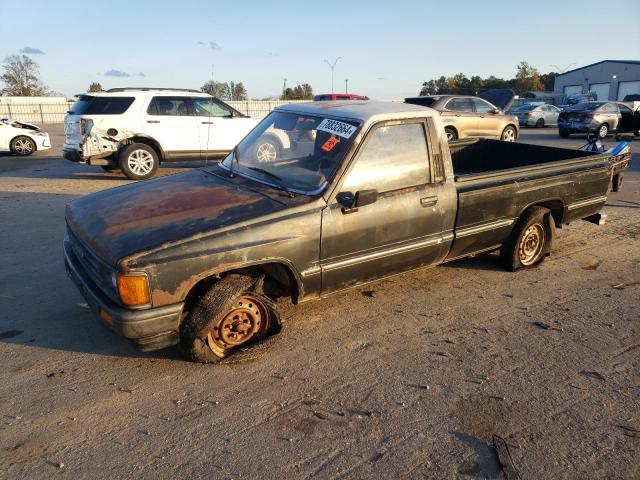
[455, 130]
[555, 206]
[150, 142]
[279, 281]
[35, 145]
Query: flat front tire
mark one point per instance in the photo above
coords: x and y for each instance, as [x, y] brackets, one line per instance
[530, 241]
[230, 315]
[138, 161]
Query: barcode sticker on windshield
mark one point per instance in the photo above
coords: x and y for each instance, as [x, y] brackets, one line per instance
[335, 127]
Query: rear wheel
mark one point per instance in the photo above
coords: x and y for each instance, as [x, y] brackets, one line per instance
[228, 316]
[603, 131]
[451, 134]
[564, 133]
[267, 151]
[508, 134]
[138, 161]
[540, 123]
[22, 146]
[530, 240]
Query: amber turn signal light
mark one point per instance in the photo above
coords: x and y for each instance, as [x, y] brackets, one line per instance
[133, 289]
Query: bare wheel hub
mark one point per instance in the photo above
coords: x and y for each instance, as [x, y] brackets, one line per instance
[531, 244]
[247, 320]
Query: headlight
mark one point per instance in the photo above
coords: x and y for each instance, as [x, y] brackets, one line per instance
[40, 134]
[133, 289]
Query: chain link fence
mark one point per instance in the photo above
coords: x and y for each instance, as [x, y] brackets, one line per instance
[43, 111]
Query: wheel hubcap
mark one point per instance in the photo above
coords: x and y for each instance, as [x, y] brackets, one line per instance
[246, 321]
[531, 244]
[450, 136]
[23, 146]
[603, 131]
[509, 135]
[140, 162]
[266, 153]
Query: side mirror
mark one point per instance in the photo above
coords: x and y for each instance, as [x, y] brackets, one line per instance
[350, 202]
[495, 111]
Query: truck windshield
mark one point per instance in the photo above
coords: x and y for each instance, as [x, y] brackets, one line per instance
[294, 151]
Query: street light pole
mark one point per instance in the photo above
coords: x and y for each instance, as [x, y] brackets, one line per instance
[284, 90]
[346, 85]
[332, 66]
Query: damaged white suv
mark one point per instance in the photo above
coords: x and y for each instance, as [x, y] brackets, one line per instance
[136, 129]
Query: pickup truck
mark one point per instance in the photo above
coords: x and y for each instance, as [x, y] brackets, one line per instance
[200, 258]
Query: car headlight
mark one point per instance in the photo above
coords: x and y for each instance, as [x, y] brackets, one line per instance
[40, 134]
[133, 289]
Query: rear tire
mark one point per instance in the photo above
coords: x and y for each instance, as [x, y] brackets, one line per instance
[22, 146]
[564, 133]
[138, 161]
[267, 151]
[451, 134]
[530, 241]
[229, 316]
[540, 123]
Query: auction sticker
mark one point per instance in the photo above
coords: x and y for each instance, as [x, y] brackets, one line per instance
[336, 127]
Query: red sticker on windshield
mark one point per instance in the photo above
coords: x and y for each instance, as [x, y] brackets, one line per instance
[330, 144]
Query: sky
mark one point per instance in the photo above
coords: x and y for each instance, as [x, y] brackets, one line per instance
[387, 48]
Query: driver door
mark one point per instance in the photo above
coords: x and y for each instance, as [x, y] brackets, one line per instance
[403, 228]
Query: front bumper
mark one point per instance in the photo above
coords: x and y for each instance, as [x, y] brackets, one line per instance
[43, 142]
[149, 329]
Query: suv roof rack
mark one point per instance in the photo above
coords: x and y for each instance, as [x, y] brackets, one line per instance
[146, 89]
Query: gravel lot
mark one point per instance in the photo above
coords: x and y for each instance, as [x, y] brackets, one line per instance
[439, 373]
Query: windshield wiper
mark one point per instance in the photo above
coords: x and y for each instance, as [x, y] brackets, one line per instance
[278, 180]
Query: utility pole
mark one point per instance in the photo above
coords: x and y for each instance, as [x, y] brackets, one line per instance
[284, 90]
[346, 85]
[332, 66]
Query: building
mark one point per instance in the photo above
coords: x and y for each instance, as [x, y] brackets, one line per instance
[608, 79]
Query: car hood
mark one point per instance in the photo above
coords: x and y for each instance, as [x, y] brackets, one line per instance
[120, 222]
[16, 124]
[500, 97]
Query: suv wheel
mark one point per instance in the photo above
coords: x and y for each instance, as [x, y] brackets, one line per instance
[138, 161]
[267, 152]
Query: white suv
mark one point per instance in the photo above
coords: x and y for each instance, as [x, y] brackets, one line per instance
[135, 129]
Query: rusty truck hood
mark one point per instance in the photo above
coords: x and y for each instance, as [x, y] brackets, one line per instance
[120, 222]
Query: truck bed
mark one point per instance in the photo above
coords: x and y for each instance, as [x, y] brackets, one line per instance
[496, 181]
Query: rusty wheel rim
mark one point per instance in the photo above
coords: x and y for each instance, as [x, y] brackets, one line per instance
[531, 244]
[245, 322]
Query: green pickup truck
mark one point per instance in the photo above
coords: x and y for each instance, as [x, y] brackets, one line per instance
[365, 190]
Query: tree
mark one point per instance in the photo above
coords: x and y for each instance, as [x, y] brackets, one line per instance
[527, 78]
[238, 92]
[22, 77]
[95, 87]
[217, 89]
[299, 92]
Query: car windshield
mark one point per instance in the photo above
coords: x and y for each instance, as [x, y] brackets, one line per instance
[293, 151]
[526, 108]
[81, 104]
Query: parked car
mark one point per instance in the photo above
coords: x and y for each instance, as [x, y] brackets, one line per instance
[338, 96]
[199, 258]
[602, 118]
[537, 115]
[21, 138]
[468, 116]
[137, 129]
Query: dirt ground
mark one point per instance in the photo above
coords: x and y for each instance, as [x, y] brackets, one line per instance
[442, 373]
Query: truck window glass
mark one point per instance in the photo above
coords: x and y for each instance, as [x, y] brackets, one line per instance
[170, 106]
[81, 104]
[394, 157]
[108, 105]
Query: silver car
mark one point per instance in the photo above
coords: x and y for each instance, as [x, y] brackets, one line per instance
[537, 115]
[470, 116]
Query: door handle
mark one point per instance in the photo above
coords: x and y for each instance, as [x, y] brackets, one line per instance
[207, 123]
[428, 201]
[153, 121]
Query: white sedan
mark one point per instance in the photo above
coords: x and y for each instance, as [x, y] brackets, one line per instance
[22, 138]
